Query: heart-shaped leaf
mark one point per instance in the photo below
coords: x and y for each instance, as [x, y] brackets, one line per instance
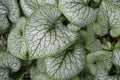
[46, 34]
[77, 11]
[109, 15]
[66, 65]
[98, 61]
[16, 43]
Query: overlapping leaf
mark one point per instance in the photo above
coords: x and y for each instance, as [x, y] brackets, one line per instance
[8, 64]
[36, 74]
[98, 61]
[29, 6]
[109, 16]
[16, 42]
[8, 10]
[77, 11]
[46, 34]
[66, 65]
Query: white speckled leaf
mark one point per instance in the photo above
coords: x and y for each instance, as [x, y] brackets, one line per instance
[45, 33]
[98, 61]
[109, 15]
[16, 43]
[29, 6]
[66, 65]
[10, 9]
[8, 64]
[77, 11]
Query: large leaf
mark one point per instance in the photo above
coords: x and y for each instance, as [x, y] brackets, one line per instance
[8, 10]
[98, 61]
[29, 6]
[109, 16]
[46, 34]
[8, 64]
[16, 43]
[77, 11]
[66, 65]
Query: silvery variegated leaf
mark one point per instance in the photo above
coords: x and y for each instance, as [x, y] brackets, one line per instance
[77, 11]
[8, 64]
[8, 10]
[29, 6]
[116, 57]
[46, 34]
[98, 61]
[67, 64]
[109, 16]
[16, 43]
[105, 76]
[73, 27]
[117, 2]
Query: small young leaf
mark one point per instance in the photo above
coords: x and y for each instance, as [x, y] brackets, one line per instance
[98, 61]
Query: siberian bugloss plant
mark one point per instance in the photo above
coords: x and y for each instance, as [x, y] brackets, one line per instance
[59, 39]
